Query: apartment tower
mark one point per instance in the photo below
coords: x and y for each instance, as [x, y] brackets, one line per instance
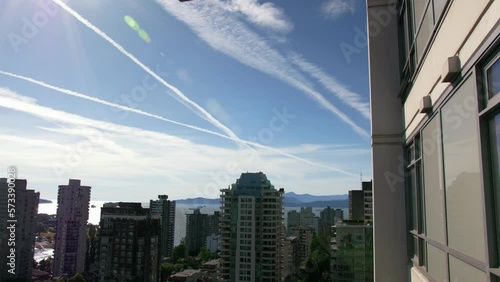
[129, 243]
[252, 230]
[71, 228]
[21, 215]
[166, 210]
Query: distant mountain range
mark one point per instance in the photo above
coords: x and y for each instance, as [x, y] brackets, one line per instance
[291, 200]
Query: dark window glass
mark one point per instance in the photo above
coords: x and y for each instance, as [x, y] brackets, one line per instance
[419, 8]
[424, 33]
[495, 156]
[493, 77]
[438, 8]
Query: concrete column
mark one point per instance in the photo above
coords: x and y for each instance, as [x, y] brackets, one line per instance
[389, 211]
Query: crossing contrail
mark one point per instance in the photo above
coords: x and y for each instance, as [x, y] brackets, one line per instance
[206, 115]
[158, 117]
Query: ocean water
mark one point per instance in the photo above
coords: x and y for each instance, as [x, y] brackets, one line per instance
[180, 214]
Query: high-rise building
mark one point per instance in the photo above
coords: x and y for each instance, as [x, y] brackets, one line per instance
[435, 120]
[291, 259]
[251, 230]
[339, 215]
[18, 226]
[166, 210]
[328, 218]
[304, 237]
[70, 239]
[367, 200]
[356, 205]
[352, 253]
[292, 221]
[129, 243]
[212, 243]
[360, 203]
[213, 223]
[197, 231]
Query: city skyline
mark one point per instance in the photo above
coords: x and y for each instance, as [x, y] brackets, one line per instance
[281, 83]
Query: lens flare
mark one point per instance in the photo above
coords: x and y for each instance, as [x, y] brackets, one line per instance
[135, 26]
[131, 22]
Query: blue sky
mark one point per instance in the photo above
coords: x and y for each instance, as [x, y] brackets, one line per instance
[222, 87]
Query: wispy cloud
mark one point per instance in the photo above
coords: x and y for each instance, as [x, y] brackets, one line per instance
[335, 8]
[16, 101]
[352, 99]
[174, 90]
[262, 14]
[224, 32]
[132, 153]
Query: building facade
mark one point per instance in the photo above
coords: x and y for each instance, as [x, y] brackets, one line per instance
[197, 231]
[129, 243]
[356, 205]
[352, 253]
[291, 259]
[20, 234]
[252, 230]
[292, 221]
[304, 237]
[434, 84]
[165, 209]
[367, 200]
[328, 218]
[71, 228]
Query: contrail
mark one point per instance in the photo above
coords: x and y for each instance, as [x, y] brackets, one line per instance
[129, 109]
[120, 48]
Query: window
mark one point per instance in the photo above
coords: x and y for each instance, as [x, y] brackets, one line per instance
[462, 172]
[434, 201]
[493, 78]
[417, 19]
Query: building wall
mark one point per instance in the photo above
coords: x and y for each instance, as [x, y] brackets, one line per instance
[129, 241]
[197, 230]
[165, 209]
[435, 182]
[70, 240]
[352, 255]
[26, 209]
[252, 209]
[356, 205]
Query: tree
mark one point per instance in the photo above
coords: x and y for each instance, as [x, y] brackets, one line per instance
[179, 251]
[204, 254]
[46, 265]
[77, 278]
[317, 266]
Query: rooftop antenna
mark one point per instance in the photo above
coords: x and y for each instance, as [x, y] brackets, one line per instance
[361, 178]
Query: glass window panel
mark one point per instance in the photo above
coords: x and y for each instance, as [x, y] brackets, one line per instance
[495, 157]
[436, 266]
[464, 203]
[493, 75]
[422, 252]
[420, 198]
[424, 34]
[412, 199]
[461, 271]
[419, 8]
[438, 8]
[434, 202]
